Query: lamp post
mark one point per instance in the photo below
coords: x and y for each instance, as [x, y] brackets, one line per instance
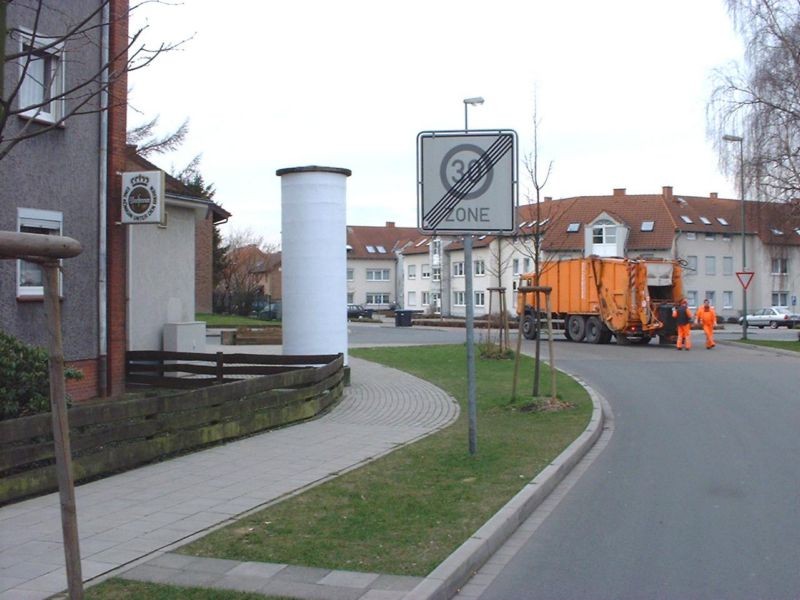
[740, 140]
[470, 317]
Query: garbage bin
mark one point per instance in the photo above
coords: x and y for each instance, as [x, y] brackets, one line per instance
[402, 318]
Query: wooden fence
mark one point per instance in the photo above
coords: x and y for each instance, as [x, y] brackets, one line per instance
[112, 436]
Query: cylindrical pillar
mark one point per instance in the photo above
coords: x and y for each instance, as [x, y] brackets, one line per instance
[314, 260]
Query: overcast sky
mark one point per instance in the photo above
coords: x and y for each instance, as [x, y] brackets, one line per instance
[622, 87]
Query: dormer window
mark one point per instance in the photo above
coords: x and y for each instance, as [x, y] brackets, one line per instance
[686, 219]
[705, 221]
[573, 227]
[722, 221]
[648, 225]
[371, 249]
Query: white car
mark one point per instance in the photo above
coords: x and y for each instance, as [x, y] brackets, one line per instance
[774, 316]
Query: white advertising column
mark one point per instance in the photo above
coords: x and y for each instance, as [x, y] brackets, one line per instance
[314, 260]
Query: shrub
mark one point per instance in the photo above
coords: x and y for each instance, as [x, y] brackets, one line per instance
[24, 378]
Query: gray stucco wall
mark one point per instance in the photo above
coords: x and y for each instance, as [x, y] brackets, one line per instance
[57, 171]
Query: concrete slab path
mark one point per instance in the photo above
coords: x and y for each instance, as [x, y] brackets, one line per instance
[135, 517]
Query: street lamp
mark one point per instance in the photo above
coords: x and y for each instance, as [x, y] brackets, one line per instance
[470, 318]
[470, 102]
[740, 140]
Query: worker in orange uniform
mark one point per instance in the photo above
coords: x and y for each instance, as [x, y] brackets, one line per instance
[707, 317]
[683, 317]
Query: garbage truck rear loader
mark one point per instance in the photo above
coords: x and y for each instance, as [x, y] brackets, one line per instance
[595, 299]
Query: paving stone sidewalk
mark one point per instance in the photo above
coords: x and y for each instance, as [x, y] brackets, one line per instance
[137, 516]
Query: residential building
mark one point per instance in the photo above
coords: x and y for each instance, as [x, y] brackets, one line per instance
[63, 182]
[375, 264]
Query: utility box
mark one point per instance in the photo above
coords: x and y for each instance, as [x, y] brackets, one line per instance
[185, 337]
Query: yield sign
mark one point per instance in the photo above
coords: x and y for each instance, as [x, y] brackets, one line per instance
[745, 277]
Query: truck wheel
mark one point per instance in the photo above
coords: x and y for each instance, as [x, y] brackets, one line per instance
[529, 327]
[594, 330]
[577, 327]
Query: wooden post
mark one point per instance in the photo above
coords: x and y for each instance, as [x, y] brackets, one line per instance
[220, 367]
[66, 488]
[550, 346]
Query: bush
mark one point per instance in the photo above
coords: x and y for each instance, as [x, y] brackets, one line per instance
[24, 379]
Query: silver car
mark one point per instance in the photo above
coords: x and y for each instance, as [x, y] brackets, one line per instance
[774, 316]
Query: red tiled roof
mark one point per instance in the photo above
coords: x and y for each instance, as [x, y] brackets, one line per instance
[378, 242]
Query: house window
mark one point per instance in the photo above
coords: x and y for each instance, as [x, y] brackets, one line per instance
[705, 221]
[648, 225]
[458, 269]
[412, 271]
[573, 227]
[604, 232]
[30, 277]
[691, 298]
[780, 266]
[527, 265]
[425, 272]
[480, 267]
[437, 274]
[480, 299]
[515, 266]
[691, 235]
[780, 298]
[459, 299]
[350, 296]
[426, 298]
[41, 93]
[436, 247]
[691, 265]
[377, 298]
[711, 265]
[349, 274]
[710, 297]
[710, 236]
[412, 298]
[686, 219]
[727, 265]
[377, 274]
[727, 299]
[726, 237]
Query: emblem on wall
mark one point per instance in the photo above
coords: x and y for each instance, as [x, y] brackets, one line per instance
[143, 197]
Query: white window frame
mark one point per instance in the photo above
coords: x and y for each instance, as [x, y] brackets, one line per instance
[412, 271]
[412, 298]
[711, 265]
[349, 274]
[37, 51]
[779, 266]
[691, 235]
[458, 269]
[425, 271]
[377, 298]
[710, 296]
[480, 267]
[691, 264]
[426, 298]
[49, 220]
[378, 275]
[780, 298]
[727, 265]
[350, 296]
[691, 298]
[515, 266]
[480, 298]
[436, 274]
[459, 298]
[727, 299]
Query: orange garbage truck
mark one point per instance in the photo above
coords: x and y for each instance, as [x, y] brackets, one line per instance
[595, 299]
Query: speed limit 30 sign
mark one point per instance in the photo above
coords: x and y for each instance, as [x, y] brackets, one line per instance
[466, 181]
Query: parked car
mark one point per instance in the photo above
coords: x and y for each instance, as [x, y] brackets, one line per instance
[357, 311]
[774, 316]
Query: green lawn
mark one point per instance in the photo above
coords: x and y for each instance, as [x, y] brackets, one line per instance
[782, 344]
[120, 589]
[406, 512]
[215, 320]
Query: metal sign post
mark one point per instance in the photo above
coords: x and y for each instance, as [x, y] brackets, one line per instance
[467, 184]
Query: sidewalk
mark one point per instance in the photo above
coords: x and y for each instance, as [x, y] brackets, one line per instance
[137, 516]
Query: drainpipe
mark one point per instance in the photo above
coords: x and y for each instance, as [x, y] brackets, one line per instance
[102, 242]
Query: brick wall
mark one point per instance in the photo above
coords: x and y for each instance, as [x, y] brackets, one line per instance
[87, 387]
[117, 246]
[203, 271]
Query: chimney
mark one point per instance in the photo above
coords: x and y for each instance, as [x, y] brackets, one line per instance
[619, 192]
[713, 195]
[390, 223]
[667, 192]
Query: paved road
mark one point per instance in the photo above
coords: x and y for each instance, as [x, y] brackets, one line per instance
[696, 495]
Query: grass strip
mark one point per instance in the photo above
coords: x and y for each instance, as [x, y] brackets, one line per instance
[215, 320]
[780, 344]
[406, 512]
[121, 589]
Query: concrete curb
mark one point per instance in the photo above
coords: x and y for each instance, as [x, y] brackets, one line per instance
[452, 574]
[779, 351]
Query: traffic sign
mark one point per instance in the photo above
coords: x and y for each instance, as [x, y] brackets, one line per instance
[467, 181]
[745, 277]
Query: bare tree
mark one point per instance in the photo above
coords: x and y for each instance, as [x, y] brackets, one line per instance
[35, 51]
[759, 100]
[245, 269]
